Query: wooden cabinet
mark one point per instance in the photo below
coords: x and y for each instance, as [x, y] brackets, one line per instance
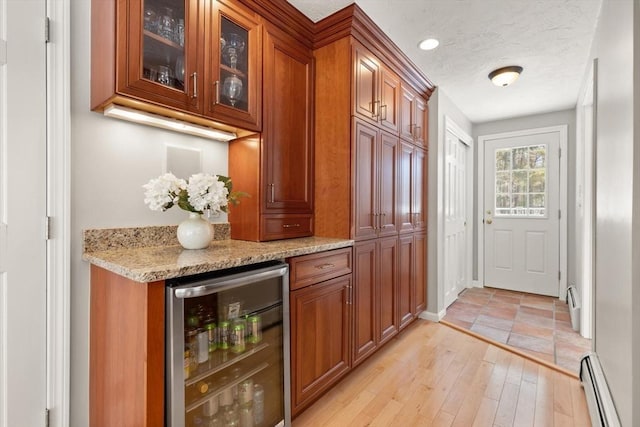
[412, 187]
[376, 90]
[127, 354]
[420, 259]
[375, 292]
[413, 116]
[276, 167]
[168, 57]
[375, 189]
[232, 83]
[320, 326]
[406, 280]
[412, 282]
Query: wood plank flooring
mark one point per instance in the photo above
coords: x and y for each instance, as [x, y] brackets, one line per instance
[433, 375]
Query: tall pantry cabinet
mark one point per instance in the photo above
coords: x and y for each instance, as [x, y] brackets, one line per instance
[371, 171]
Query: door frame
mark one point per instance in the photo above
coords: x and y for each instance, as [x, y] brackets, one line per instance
[451, 126]
[58, 51]
[562, 130]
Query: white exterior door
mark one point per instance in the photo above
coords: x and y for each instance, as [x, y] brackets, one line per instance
[455, 218]
[23, 309]
[521, 213]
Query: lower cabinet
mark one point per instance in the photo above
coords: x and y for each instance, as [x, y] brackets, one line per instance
[320, 326]
[374, 295]
[412, 281]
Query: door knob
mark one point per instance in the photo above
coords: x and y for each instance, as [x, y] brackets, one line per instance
[489, 221]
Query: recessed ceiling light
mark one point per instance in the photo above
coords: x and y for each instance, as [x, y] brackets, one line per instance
[505, 76]
[428, 44]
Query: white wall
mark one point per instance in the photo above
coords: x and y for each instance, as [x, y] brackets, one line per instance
[617, 285]
[565, 117]
[439, 107]
[111, 160]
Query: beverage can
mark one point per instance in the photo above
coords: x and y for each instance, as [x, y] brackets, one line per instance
[211, 336]
[246, 416]
[238, 340]
[203, 346]
[255, 329]
[245, 392]
[210, 407]
[258, 404]
[224, 331]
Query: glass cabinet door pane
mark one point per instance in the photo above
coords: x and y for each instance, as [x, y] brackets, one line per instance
[234, 65]
[163, 60]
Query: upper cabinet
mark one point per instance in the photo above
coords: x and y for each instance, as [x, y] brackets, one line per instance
[376, 90]
[234, 73]
[413, 117]
[173, 57]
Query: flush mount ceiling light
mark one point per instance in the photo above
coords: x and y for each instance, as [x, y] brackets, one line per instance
[505, 76]
[428, 44]
[155, 120]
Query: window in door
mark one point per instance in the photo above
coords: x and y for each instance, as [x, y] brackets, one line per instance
[520, 182]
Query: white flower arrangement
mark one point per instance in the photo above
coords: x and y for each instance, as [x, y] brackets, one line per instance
[202, 192]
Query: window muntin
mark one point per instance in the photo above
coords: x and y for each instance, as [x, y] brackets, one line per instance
[520, 181]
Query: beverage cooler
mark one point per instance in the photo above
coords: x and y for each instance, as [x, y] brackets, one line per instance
[227, 356]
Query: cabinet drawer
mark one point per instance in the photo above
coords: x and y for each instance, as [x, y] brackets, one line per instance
[286, 226]
[309, 269]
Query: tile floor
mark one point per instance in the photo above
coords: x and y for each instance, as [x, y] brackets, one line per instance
[535, 324]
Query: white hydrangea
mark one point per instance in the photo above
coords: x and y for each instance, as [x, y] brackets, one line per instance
[163, 192]
[207, 192]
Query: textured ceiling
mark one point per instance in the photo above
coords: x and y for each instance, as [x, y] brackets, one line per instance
[549, 38]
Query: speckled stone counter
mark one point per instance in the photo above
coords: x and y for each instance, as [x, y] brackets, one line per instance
[152, 263]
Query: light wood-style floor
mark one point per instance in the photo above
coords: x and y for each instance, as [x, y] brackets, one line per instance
[433, 375]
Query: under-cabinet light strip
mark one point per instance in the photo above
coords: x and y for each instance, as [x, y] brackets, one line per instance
[151, 119]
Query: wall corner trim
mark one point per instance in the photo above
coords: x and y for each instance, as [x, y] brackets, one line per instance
[433, 317]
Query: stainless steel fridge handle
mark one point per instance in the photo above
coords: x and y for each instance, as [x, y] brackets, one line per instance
[194, 290]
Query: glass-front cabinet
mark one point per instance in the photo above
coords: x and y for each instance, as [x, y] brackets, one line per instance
[234, 65]
[163, 43]
[196, 56]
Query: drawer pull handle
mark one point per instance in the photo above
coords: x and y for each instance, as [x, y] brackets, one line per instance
[290, 225]
[325, 266]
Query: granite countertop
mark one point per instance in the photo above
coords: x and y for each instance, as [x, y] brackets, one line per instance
[152, 263]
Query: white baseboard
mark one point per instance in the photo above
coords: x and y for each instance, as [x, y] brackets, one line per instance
[433, 317]
[476, 284]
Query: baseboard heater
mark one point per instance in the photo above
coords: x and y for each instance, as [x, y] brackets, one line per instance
[574, 307]
[601, 408]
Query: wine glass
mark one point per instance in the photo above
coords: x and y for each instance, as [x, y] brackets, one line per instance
[232, 89]
[233, 47]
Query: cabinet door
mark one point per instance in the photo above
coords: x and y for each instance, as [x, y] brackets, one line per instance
[161, 62]
[420, 298]
[366, 78]
[365, 188]
[234, 53]
[406, 281]
[288, 148]
[419, 190]
[320, 321]
[405, 182]
[364, 300]
[387, 289]
[389, 100]
[421, 129]
[407, 121]
[388, 184]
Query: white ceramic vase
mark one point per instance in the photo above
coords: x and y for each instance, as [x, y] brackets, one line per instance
[195, 232]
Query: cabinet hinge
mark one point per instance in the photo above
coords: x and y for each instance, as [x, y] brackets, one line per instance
[47, 228]
[47, 29]
[46, 417]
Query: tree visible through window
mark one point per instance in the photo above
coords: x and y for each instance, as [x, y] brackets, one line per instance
[521, 181]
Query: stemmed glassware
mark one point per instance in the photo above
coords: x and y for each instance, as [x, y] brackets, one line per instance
[232, 47]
